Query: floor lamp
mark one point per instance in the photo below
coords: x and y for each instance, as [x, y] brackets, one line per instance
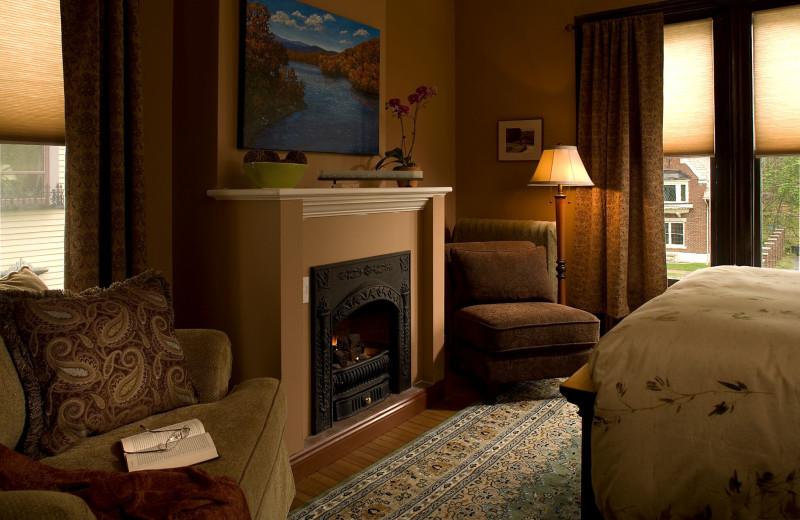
[561, 166]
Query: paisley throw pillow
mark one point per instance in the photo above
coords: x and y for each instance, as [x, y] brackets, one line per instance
[101, 359]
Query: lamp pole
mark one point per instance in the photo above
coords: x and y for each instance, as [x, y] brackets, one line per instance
[561, 264]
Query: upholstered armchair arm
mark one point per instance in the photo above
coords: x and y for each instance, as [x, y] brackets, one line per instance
[209, 361]
[540, 232]
[21, 505]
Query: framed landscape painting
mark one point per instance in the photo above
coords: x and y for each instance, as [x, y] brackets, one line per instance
[519, 140]
[308, 80]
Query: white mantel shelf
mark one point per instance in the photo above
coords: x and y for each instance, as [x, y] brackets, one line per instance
[331, 202]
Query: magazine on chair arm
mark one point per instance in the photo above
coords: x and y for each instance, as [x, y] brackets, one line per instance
[181, 444]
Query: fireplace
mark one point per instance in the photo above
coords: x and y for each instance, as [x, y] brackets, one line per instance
[360, 335]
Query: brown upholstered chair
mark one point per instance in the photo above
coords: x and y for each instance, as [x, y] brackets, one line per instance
[501, 322]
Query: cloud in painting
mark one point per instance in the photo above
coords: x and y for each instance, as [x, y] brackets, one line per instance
[284, 19]
[329, 17]
[298, 14]
[361, 32]
[346, 43]
[315, 23]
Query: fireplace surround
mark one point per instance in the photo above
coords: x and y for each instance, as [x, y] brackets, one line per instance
[369, 299]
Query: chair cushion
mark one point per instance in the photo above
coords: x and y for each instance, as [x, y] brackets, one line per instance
[508, 327]
[501, 272]
[93, 361]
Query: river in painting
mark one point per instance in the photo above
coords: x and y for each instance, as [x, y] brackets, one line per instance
[338, 118]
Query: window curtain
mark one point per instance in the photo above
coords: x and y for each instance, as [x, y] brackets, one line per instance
[619, 256]
[104, 223]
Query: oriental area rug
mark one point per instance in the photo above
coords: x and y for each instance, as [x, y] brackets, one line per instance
[517, 459]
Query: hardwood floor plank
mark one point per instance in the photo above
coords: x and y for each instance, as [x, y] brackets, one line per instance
[312, 487]
[324, 480]
[388, 443]
[424, 421]
[413, 428]
[401, 435]
[361, 458]
[369, 449]
[344, 465]
[334, 473]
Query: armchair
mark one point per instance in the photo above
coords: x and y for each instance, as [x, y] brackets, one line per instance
[501, 320]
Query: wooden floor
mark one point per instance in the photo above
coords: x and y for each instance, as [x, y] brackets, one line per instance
[459, 393]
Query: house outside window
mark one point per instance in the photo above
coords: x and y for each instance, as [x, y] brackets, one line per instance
[29, 176]
[32, 210]
[686, 214]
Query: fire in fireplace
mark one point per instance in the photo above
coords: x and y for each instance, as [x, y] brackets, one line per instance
[361, 323]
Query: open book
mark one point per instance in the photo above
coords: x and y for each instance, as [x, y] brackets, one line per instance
[191, 446]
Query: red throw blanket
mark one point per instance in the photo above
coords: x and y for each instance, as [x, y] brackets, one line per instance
[185, 493]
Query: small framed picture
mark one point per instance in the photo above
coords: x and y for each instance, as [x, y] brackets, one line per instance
[519, 140]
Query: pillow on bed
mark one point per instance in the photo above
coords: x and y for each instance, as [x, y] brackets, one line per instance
[500, 275]
[93, 361]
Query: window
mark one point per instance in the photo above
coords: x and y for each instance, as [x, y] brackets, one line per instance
[31, 127]
[676, 192]
[740, 59]
[32, 210]
[673, 233]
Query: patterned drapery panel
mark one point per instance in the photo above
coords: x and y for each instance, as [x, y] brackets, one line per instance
[105, 218]
[619, 258]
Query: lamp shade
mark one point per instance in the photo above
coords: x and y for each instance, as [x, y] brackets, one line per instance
[561, 165]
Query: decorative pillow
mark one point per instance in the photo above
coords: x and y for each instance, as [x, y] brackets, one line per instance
[500, 275]
[100, 359]
[22, 280]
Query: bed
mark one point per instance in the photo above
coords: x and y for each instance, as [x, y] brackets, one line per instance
[691, 404]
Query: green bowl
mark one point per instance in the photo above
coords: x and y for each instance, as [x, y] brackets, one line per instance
[275, 174]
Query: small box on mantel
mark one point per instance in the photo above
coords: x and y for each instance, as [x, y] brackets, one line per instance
[369, 175]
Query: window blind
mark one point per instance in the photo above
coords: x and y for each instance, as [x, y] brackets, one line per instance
[689, 89]
[776, 80]
[31, 72]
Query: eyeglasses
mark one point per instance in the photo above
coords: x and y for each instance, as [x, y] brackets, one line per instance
[168, 444]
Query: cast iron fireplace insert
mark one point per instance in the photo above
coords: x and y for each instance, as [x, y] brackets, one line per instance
[369, 299]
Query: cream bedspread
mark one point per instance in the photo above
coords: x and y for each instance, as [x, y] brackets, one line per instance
[698, 401]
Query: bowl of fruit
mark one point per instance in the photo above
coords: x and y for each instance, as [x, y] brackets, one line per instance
[266, 169]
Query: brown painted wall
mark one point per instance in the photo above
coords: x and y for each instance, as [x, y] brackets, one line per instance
[156, 38]
[515, 61]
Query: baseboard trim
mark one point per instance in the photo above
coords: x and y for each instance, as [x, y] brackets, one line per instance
[310, 460]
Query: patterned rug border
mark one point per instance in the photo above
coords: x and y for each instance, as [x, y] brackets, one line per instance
[383, 472]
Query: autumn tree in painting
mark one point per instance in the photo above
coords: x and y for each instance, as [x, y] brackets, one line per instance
[272, 90]
[360, 65]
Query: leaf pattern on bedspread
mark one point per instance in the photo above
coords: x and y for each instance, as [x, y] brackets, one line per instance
[768, 498]
[732, 392]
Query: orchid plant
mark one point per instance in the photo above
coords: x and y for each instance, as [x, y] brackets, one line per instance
[416, 100]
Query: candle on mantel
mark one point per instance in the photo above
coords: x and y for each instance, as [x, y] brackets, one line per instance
[333, 341]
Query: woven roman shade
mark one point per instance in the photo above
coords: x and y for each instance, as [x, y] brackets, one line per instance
[689, 89]
[776, 77]
[31, 78]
